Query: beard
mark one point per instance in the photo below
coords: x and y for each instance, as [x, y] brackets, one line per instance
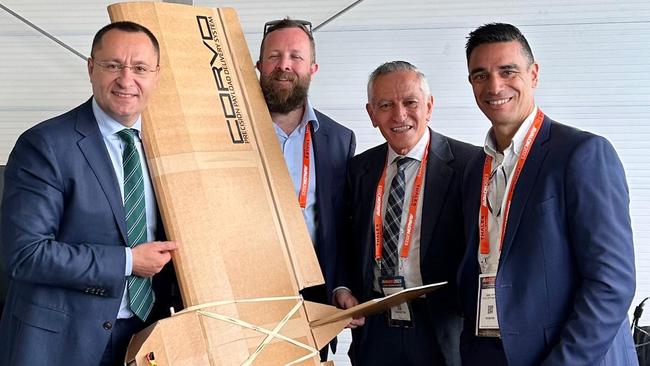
[284, 100]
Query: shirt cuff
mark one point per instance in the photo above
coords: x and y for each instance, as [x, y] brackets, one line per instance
[128, 267]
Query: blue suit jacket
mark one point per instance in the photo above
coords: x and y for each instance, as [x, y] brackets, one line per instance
[566, 272]
[63, 238]
[334, 145]
[442, 239]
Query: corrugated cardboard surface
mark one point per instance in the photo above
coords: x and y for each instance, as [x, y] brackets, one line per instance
[222, 188]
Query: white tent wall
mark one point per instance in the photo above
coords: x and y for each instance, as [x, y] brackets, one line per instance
[594, 60]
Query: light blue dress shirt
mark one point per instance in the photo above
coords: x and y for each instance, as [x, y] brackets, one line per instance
[291, 146]
[115, 146]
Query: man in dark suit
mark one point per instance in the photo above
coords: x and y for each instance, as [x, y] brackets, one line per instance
[405, 226]
[316, 148]
[78, 226]
[550, 241]
[4, 282]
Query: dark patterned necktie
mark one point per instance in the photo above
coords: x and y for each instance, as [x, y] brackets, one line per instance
[393, 219]
[141, 296]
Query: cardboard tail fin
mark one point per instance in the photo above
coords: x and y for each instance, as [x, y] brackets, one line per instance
[324, 333]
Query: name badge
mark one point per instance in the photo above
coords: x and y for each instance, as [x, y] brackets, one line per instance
[487, 323]
[400, 315]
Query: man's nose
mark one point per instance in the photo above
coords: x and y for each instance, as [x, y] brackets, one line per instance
[495, 84]
[284, 63]
[399, 113]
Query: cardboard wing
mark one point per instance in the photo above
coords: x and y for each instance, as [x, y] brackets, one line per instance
[225, 194]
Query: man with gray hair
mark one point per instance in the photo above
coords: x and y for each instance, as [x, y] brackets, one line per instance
[392, 189]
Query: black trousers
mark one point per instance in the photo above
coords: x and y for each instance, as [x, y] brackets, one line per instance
[433, 340]
[121, 334]
[490, 349]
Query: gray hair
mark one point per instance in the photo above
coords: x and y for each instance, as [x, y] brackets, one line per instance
[396, 66]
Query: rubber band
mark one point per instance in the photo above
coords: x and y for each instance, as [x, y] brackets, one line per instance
[270, 334]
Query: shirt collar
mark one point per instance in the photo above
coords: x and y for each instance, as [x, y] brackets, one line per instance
[108, 126]
[490, 146]
[416, 153]
[309, 116]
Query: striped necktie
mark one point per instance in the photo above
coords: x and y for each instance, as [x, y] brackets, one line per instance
[393, 218]
[141, 296]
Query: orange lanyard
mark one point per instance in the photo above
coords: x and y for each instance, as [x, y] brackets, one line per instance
[304, 177]
[487, 169]
[413, 205]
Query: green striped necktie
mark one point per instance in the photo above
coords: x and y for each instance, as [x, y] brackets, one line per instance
[141, 296]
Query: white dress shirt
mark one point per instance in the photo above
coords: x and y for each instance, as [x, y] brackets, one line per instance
[291, 146]
[410, 268]
[503, 165]
[115, 146]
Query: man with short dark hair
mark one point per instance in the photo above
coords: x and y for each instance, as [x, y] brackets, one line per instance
[548, 275]
[316, 148]
[79, 219]
[405, 227]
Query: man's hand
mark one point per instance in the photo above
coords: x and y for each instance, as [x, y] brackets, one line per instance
[344, 299]
[150, 258]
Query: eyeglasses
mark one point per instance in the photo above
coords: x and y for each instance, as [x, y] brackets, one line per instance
[116, 67]
[305, 25]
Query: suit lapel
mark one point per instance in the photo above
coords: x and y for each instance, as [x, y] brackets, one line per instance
[323, 166]
[323, 170]
[367, 188]
[525, 186]
[94, 150]
[438, 178]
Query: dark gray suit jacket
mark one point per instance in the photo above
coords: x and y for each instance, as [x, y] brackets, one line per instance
[442, 240]
[63, 237]
[566, 273]
[334, 146]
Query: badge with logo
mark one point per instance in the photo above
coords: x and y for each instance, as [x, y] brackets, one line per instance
[400, 315]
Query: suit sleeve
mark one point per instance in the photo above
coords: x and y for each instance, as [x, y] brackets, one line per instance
[345, 249]
[352, 146]
[343, 242]
[599, 230]
[33, 208]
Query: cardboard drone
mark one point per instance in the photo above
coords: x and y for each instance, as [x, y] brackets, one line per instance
[224, 192]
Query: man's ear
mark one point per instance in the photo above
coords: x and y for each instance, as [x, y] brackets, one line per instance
[313, 69]
[535, 74]
[90, 66]
[430, 104]
[369, 110]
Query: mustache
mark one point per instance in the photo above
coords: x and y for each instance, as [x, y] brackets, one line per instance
[279, 74]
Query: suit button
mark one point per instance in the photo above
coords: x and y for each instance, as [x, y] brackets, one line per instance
[108, 325]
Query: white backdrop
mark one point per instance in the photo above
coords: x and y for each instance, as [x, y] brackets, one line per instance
[594, 57]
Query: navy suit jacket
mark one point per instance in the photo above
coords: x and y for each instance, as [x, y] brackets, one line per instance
[442, 239]
[63, 238]
[566, 272]
[333, 145]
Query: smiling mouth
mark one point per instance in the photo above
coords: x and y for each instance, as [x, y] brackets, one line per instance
[498, 102]
[401, 129]
[122, 95]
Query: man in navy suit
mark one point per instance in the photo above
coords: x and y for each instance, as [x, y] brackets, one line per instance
[315, 147]
[548, 275]
[424, 226]
[64, 227]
